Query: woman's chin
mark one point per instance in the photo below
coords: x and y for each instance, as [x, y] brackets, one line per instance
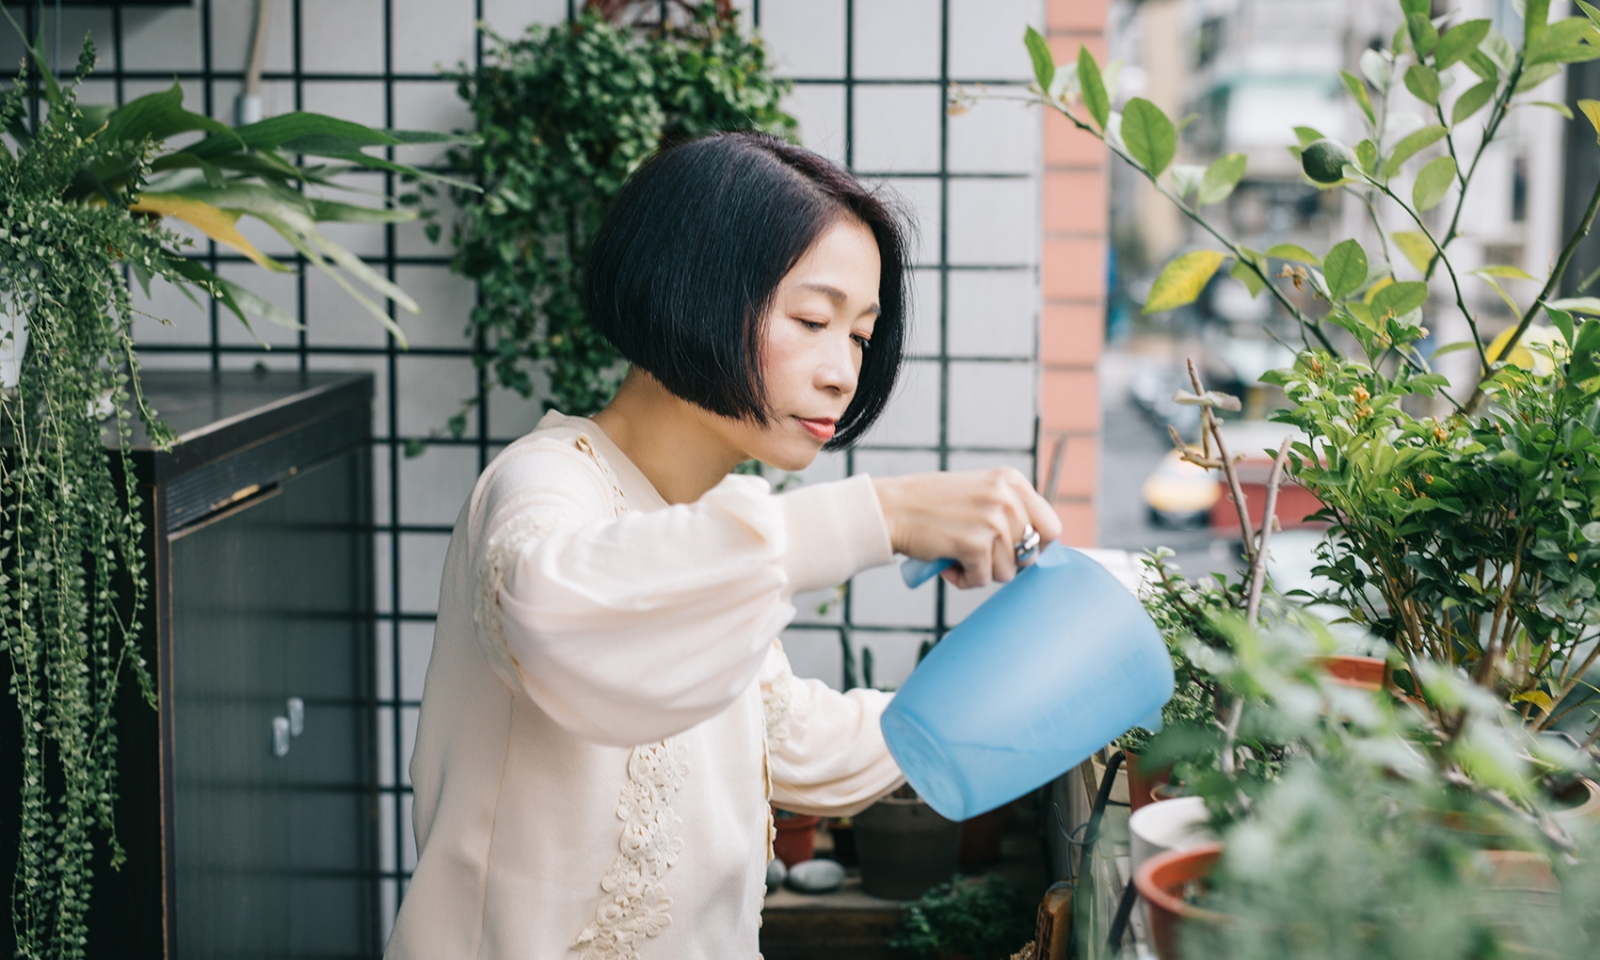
[791, 457]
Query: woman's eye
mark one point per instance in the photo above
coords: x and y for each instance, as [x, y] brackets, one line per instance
[812, 325]
[864, 342]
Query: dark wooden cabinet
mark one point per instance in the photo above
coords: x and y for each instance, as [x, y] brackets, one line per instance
[260, 559]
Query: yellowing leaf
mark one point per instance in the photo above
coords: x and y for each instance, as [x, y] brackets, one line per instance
[1416, 247]
[215, 223]
[1591, 109]
[1182, 280]
[1372, 291]
[1538, 698]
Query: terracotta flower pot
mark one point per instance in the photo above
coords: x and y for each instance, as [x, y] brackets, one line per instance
[1142, 783]
[1161, 881]
[980, 836]
[797, 839]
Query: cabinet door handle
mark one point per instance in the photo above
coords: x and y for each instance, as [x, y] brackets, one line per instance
[297, 716]
[280, 737]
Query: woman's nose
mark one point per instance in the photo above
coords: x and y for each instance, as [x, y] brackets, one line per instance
[840, 368]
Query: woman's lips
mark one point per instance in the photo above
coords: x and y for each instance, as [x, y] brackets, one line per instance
[821, 429]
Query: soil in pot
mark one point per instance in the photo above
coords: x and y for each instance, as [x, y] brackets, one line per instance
[1163, 882]
[796, 841]
[904, 847]
[980, 836]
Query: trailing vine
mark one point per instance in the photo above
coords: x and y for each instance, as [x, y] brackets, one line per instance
[565, 114]
[71, 588]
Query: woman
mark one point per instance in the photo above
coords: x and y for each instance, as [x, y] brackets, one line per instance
[607, 713]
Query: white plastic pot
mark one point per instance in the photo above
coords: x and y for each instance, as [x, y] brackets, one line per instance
[1177, 824]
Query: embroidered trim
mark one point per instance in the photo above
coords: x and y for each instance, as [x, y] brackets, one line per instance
[636, 905]
[619, 500]
[504, 548]
[777, 701]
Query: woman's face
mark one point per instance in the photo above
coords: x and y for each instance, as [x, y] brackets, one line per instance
[820, 325]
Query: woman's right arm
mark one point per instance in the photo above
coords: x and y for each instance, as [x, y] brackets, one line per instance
[630, 629]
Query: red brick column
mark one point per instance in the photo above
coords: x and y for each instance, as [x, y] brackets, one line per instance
[1073, 282]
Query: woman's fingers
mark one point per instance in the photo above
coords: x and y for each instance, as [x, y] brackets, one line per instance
[976, 518]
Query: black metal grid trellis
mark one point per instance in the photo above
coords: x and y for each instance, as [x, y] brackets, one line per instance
[402, 537]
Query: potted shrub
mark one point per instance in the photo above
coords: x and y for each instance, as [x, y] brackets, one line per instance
[82, 200]
[904, 847]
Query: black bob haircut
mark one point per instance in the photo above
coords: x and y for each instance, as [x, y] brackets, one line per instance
[682, 272]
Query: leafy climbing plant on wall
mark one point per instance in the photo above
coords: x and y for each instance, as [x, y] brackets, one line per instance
[565, 114]
[83, 198]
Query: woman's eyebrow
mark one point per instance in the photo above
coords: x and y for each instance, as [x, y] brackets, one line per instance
[837, 296]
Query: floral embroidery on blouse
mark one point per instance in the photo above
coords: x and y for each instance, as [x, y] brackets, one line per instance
[636, 905]
[777, 701]
[504, 548]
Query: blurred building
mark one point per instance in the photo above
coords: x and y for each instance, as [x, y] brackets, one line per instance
[1245, 73]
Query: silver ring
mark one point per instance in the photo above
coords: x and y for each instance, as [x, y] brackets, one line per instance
[1029, 544]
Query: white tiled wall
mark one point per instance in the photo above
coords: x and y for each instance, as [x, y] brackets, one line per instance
[868, 92]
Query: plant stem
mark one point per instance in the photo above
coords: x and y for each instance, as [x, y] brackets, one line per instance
[1233, 248]
[1477, 341]
[1229, 469]
[1549, 287]
[1497, 114]
[1258, 568]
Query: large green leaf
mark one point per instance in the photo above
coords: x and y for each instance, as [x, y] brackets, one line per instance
[1181, 280]
[329, 210]
[1424, 35]
[160, 116]
[1409, 145]
[297, 132]
[1565, 41]
[1220, 178]
[1358, 90]
[1535, 14]
[1399, 299]
[1472, 100]
[1459, 42]
[1433, 183]
[1148, 135]
[1293, 251]
[1345, 268]
[1044, 62]
[1423, 82]
[1093, 88]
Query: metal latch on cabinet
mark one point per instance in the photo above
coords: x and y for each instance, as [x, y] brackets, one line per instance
[285, 728]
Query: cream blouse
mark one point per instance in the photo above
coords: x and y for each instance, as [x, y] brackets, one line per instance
[606, 712]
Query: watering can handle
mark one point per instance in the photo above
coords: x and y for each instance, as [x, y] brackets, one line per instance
[917, 572]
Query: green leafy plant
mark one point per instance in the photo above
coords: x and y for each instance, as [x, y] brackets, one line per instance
[566, 113]
[82, 199]
[1463, 540]
[1371, 840]
[983, 919]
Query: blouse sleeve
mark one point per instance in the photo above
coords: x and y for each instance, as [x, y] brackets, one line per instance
[630, 629]
[825, 750]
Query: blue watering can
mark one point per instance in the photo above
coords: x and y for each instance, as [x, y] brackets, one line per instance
[1057, 664]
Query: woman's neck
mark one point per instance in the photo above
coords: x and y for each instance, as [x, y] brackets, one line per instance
[670, 440]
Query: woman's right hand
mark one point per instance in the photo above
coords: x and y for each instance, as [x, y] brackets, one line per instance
[975, 517]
